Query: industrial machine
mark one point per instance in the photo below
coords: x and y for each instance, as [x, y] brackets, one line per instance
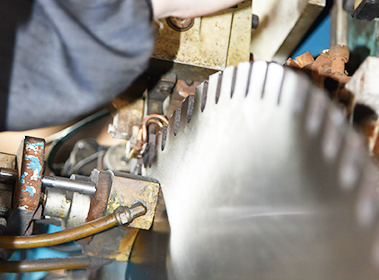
[231, 167]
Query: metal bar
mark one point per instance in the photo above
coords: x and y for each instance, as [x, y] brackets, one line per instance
[84, 187]
[8, 175]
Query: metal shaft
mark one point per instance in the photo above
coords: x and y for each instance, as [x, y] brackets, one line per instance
[84, 187]
[8, 175]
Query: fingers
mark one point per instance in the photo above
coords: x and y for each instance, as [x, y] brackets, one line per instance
[189, 8]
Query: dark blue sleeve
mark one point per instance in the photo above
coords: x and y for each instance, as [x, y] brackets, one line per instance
[72, 57]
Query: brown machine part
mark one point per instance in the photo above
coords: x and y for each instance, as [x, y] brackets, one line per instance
[103, 181]
[27, 194]
[327, 70]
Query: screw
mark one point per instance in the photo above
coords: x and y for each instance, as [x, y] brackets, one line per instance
[165, 88]
[179, 24]
[255, 22]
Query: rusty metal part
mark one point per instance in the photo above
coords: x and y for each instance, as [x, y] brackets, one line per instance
[75, 262]
[123, 216]
[305, 59]
[327, 70]
[323, 63]
[186, 88]
[157, 98]
[27, 193]
[180, 24]
[146, 133]
[339, 55]
[159, 92]
[127, 190]
[183, 88]
[146, 121]
[212, 42]
[103, 181]
[292, 63]
[30, 170]
[128, 114]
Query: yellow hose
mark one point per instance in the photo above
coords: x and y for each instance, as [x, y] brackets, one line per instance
[44, 264]
[122, 215]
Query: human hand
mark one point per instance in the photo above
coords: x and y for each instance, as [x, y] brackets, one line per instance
[189, 8]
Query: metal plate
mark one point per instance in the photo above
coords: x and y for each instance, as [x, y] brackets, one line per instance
[214, 41]
[129, 189]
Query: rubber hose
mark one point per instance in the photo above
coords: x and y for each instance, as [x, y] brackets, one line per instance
[52, 264]
[49, 239]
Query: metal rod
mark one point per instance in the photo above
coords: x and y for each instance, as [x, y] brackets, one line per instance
[84, 187]
[8, 175]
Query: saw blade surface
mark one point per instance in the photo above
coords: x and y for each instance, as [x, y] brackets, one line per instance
[262, 179]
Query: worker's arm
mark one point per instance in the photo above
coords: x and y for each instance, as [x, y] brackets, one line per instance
[189, 8]
[62, 59]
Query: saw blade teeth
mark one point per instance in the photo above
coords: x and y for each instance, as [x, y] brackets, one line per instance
[240, 80]
[234, 80]
[176, 118]
[184, 114]
[162, 138]
[273, 84]
[317, 103]
[351, 160]
[334, 128]
[226, 84]
[218, 87]
[203, 91]
[249, 75]
[368, 197]
[211, 91]
[257, 80]
[187, 108]
[291, 96]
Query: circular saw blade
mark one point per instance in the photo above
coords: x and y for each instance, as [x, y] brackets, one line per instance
[262, 179]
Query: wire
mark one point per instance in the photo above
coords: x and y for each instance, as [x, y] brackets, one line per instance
[147, 119]
[141, 144]
[123, 216]
[83, 162]
[73, 128]
[59, 138]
